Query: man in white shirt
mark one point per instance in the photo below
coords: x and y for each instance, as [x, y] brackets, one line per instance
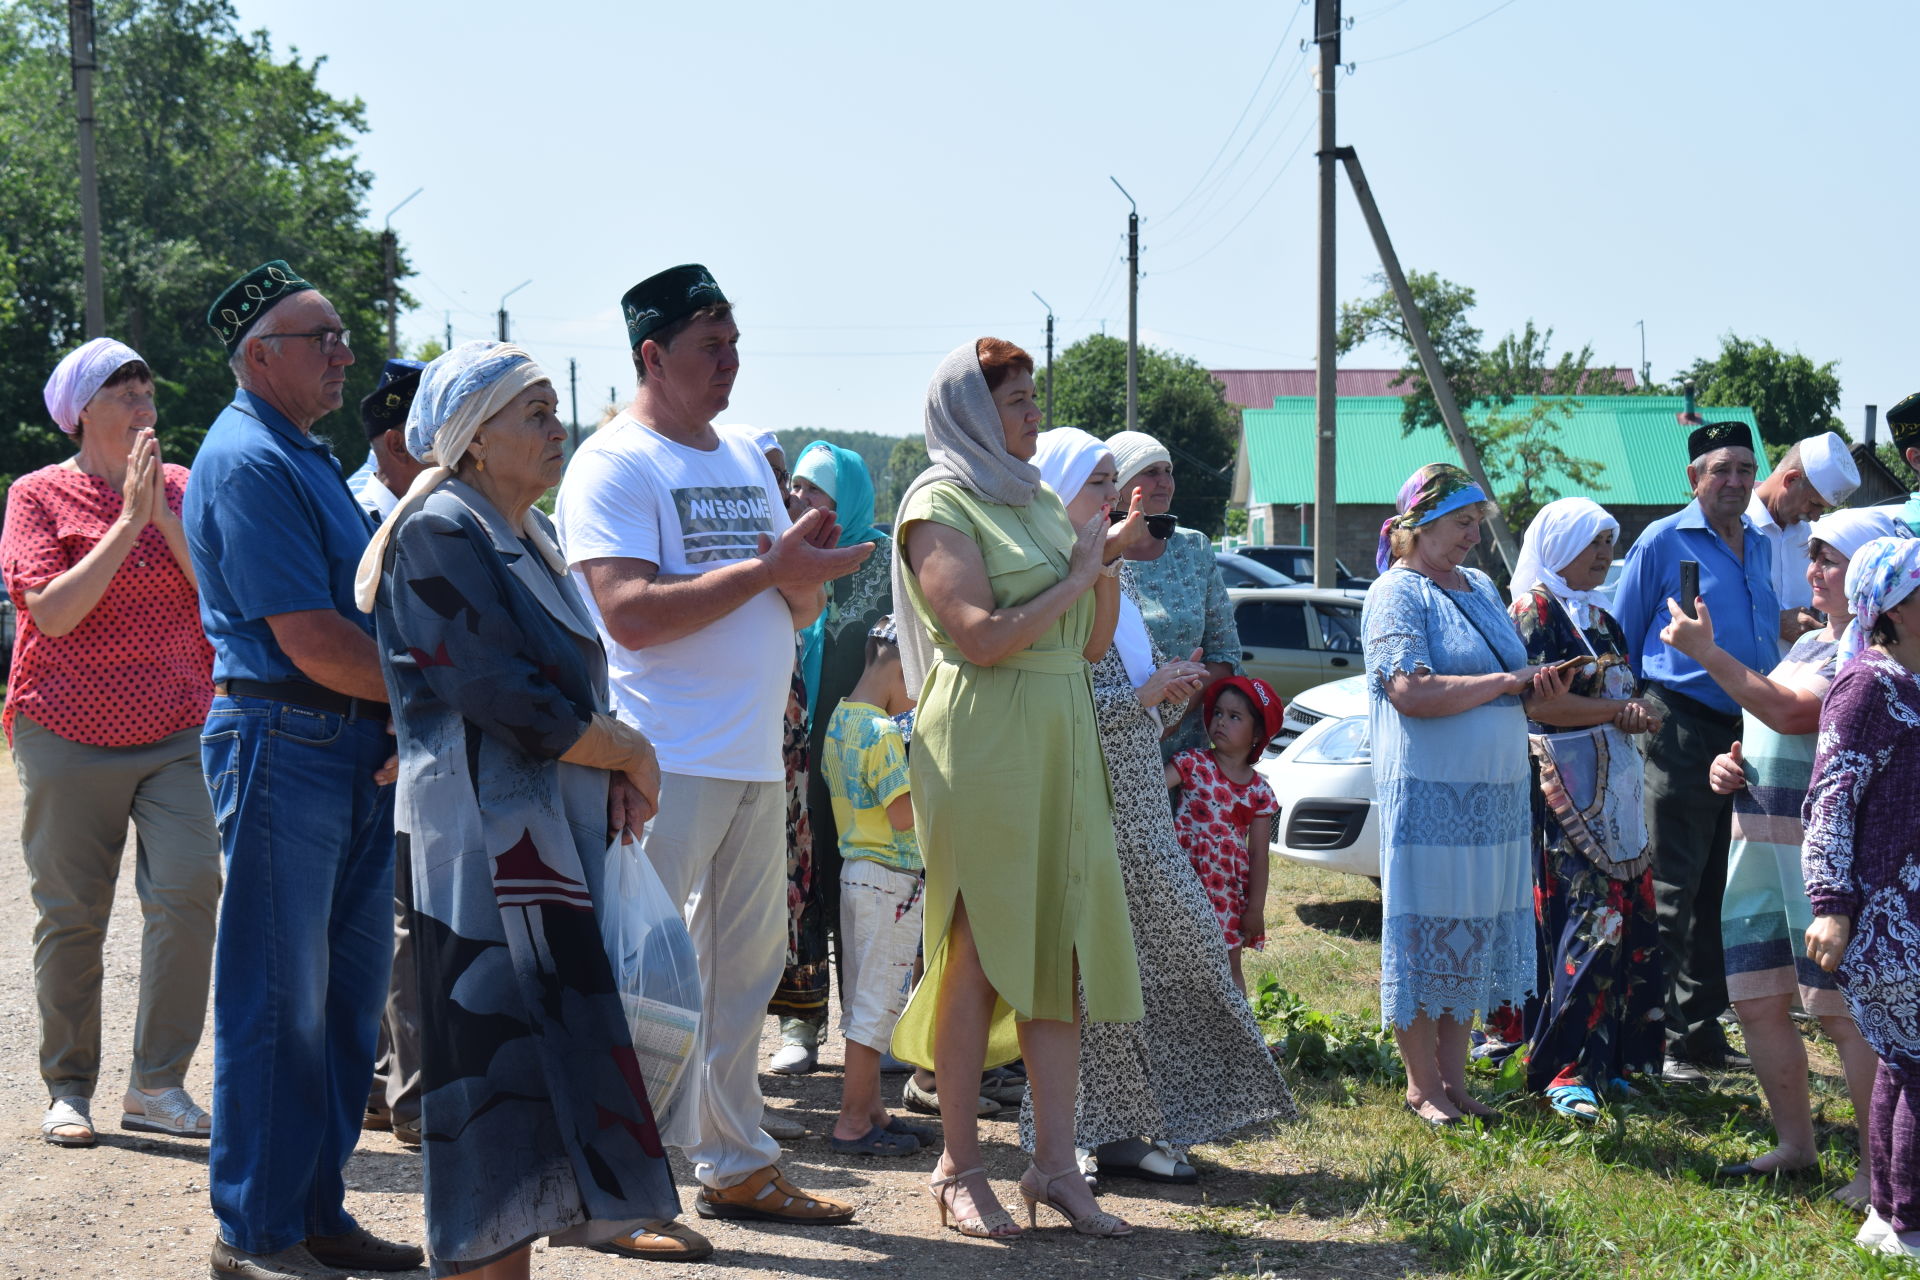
[382, 480]
[1814, 476]
[680, 540]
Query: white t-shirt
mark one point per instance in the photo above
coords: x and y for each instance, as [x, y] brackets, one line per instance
[713, 703]
[1789, 556]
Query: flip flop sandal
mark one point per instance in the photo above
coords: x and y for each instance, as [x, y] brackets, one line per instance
[1568, 1099]
[173, 1113]
[877, 1142]
[68, 1113]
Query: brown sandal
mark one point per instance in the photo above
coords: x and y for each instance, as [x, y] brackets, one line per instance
[664, 1242]
[767, 1196]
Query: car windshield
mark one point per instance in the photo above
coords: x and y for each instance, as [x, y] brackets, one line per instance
[1244, 571]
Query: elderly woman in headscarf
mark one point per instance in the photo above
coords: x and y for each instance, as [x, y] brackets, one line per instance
[1764, 913]
[1196, 1067]
[513, 776]
[1598, 1012]
[1862, 865]
[832, 655]
[109, 685]
[1182, 596]
[1010, 603]
[1449, 690]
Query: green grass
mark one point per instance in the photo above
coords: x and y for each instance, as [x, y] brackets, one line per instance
[1541, 1195]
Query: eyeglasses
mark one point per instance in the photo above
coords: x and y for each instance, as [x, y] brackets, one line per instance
[329, 338]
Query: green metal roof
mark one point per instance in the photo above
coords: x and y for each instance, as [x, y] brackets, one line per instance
[1638, 441]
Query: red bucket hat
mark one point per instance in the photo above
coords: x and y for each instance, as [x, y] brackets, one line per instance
[1261, 694]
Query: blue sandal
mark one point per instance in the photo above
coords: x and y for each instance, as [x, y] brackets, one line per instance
[1567, 1099]
[878, 1142]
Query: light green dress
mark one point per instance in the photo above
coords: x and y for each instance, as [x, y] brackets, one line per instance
[1011, 801]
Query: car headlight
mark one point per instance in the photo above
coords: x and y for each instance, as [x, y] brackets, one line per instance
[1344, 743]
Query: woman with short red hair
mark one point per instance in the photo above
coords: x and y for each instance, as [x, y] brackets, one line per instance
[1012, 808]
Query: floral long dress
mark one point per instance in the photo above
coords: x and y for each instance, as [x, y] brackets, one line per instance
[802, 992]
[1603, 1014]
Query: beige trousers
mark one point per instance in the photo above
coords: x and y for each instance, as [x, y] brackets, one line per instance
[76, 801]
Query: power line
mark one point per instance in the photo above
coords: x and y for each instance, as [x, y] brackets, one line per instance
[1100, 290]
[1280, 136]
[1305, 133]
[1251, 98]
[1209, 207]
[1437, 39]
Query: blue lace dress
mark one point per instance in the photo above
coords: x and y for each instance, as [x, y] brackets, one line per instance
[1456, 817]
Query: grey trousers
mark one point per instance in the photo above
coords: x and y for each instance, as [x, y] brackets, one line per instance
[76, 802]
[396, 1065]
[1689, 829]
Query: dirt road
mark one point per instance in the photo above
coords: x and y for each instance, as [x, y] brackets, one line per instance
[136, 1207]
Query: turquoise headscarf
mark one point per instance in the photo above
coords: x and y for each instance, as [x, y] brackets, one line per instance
[853, 508]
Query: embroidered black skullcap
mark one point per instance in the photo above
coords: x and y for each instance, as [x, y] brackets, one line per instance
[1904, 421]
[1718, 435]
[658, 301]
[250, 297]
[385, 408]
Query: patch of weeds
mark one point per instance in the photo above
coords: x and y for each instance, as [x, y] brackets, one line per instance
[1499, 1236]
[1312, 1043]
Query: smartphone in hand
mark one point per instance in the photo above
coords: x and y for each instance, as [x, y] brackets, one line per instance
[1689, 587]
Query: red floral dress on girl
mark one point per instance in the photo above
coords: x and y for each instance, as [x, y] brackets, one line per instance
[1212, 821]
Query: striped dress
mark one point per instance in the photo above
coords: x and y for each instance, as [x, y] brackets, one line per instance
[1764, 914]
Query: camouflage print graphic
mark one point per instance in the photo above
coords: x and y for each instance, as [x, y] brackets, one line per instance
[722, 522]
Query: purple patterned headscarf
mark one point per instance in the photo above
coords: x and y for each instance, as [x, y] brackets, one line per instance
[1435, 490]
[1880, 575]
[80, 375]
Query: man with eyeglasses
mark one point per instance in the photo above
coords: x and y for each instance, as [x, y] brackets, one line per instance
[298, 762]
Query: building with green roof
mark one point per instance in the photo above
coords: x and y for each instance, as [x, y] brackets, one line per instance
[1640, 443]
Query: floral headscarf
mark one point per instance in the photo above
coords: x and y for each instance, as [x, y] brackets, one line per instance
[1880, 575]
[1435, 490]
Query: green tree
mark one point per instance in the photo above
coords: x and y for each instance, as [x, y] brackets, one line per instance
[907, 459]
[1519, 447]
[1791, 396]
[1181, 405]
[214, 155]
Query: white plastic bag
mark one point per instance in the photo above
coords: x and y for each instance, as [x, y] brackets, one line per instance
[656, 972]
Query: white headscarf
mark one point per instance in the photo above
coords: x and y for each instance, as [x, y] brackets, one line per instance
[1849, 530]
[1134, 452]
[968, 447]
[458, 392]
[80, 375]
[1066, 457]
[1564, 528]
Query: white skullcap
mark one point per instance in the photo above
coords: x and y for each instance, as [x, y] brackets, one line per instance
[1829, 467]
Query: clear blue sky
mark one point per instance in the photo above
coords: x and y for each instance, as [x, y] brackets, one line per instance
[876, 184]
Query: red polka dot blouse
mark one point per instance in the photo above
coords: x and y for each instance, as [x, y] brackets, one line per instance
[138, 667]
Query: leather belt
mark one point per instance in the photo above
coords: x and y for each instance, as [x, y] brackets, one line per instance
[1680, 702]
[310, 696]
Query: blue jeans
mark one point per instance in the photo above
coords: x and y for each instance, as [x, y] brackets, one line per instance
[301, 960]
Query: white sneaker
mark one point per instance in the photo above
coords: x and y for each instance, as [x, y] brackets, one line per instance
[779, 1128]
[1873, 1230]
[794, 1060]
[1900, 1244]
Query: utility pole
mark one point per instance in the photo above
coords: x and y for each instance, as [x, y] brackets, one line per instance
[80, 34]
[1326, 33]
[503, 306]
[1423, 344]
[449, 331]
[390, 251]
[573, 387]
[1049, 307]
[1133, 309]
[1646, 370]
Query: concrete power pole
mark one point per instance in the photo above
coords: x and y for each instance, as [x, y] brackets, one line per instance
[80, 34]
[1326, 33]
[390, 254]
[1133, 309]
[573, 387]
[503, 306]
[1049, 307]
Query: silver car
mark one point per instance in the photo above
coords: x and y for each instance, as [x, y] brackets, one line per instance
[1297, 637]
[1321, 770]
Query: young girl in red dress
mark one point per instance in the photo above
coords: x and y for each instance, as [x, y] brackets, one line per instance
[1225, 818]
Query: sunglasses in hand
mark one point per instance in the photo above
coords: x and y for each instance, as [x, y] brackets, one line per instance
[1160, 526]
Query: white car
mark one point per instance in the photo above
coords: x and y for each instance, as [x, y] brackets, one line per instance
[1321, 770]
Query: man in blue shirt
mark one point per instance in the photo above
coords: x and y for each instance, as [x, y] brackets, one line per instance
[1903, 420]
[297, 757]
[1688, 826]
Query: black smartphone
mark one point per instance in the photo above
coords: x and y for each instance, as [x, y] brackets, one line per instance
[1689, 586]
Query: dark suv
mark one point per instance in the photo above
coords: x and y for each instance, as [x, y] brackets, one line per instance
[1297, 563]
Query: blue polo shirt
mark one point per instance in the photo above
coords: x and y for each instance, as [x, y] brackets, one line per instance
[272, 528]
[1746, 614]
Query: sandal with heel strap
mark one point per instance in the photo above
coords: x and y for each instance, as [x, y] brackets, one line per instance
[1097, 1223]
[997, 1225]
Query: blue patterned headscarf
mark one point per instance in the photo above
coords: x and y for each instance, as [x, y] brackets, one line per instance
[1880, 575]
[851, 489]
[458, 392]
